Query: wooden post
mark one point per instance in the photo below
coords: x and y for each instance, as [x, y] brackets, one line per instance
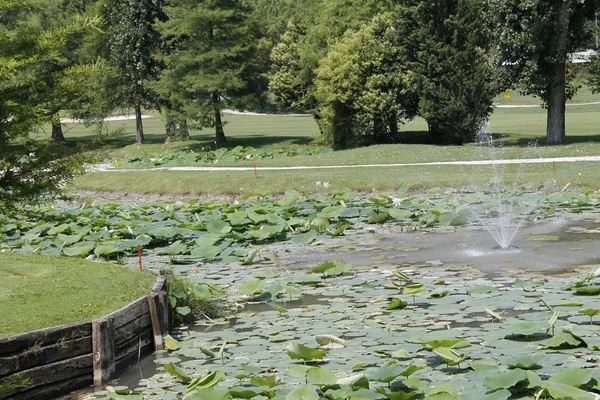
[103, 347]
[155, 317]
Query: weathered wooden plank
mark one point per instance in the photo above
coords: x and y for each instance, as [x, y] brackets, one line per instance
[16, 344]
[103, 343]
[163, 312]
[153, 303]
[52, 391]
[159, 284]
[133, 350]
[46, 375]
[45, 355]
[130, 312]
[132, 329]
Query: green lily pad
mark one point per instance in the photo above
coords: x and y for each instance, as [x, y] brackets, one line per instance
[298, 351]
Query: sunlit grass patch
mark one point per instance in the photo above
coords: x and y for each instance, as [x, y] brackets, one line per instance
[41, 291]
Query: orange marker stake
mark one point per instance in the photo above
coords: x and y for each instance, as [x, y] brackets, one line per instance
[255, 173]
[140, 257]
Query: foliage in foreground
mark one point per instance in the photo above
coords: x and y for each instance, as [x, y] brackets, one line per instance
[502, 339]
[233, 232]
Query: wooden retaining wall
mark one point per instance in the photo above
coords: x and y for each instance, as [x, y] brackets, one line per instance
[46, 363]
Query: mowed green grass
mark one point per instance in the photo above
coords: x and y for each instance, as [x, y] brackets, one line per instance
[371, 179]
[518, 132]
[41, 291]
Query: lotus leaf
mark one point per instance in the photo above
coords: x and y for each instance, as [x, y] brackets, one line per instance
[79, 250]
[170, 342]
[449, 356]
[330, 341]
[588, 290]
[577, 377]
[251, 287]
[106, 249]
[209, 394]
[206, 382]
[564, 391]
[397, 304]
[444, 391]
[242, 392]
[564, 340]
[207, 252]
[218, 227]
[298, 351]
[177, 372]
[269, 381]
[303, 392]
[506, 379]
[320, 376]
[388, 373]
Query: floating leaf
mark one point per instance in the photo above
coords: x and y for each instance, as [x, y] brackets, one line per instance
[564, 340]
[397, 304]
[504, 379]
[210, 394]
[303, 392]
[450, 356]
[588, 290]
[298, 351]
[206, 382]
[320, 376]
[177, 372]
[444, 391]
[240, 392]
[562, 391]
[218, 227]
[170, 342]
[79, 250]
[330, 341]
[322, 268]
[252, 287]
[413, 289]
[208, 252]
[577, 377]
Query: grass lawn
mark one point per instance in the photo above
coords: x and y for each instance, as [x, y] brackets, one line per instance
[518, 133]
[40, 291]
[239, 183]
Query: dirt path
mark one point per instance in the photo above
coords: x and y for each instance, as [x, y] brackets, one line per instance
[109, 168]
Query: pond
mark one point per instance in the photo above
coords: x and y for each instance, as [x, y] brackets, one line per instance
[384, 313]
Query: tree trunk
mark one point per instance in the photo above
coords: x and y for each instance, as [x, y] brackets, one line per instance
[555, 127]
[57, 132]
[177, 131]
[221, 140]
[139, 127]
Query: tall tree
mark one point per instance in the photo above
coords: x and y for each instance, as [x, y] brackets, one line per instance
[308, 31]
[213, 65]
[534, 42]
[131, 43]
[30, 171]
[446, 49]
[362, 86]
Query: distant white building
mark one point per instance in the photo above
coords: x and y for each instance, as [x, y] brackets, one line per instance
[583, 56]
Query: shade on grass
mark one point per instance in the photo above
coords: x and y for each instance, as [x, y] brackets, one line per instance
[40, 291]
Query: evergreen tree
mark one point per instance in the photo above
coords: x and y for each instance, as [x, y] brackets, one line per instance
[446, 49]
[31, 171]
[212, 64]
[362, 87]
[130, 44]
